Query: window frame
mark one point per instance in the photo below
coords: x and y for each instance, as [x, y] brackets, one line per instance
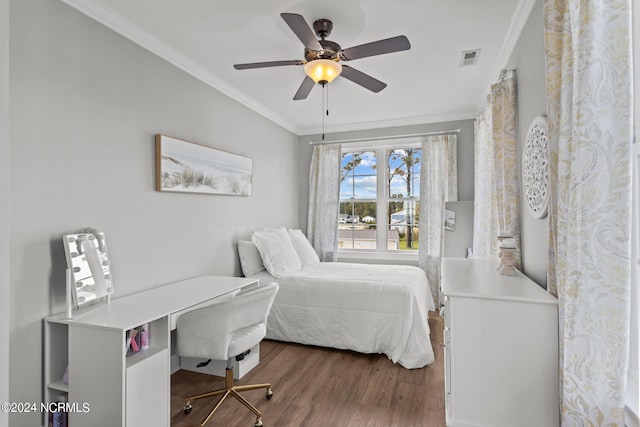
[380, 148]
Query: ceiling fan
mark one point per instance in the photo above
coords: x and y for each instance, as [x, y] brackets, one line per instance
[322, 57]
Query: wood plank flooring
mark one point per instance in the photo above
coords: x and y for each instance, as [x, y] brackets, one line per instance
[315, 386]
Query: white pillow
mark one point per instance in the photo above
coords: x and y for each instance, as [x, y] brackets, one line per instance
[305, 251]
[277, 252]
[250, 260]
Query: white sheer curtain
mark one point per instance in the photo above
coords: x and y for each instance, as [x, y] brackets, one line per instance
[324, 198]
[589, 107]
[451, 194]
[497, 204]
[438, 184]
[485, 218]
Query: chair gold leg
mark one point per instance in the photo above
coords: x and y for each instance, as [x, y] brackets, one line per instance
[249, 406]
[251, 387]
[230, 390]
[228, 386]
[229, 379]
[246, 403]
[203, 395]
[215, 408]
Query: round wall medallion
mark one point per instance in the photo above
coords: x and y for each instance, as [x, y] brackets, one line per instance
[535, 168]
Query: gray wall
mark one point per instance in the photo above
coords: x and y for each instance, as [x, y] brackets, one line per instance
[458, 240]
[528, 61]
[455, 243]
[4, 207]
[85, 105]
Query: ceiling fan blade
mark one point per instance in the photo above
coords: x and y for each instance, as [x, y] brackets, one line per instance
[364, 80]
[301, 29]
[304, 89]
[380, 47]
[268, 64]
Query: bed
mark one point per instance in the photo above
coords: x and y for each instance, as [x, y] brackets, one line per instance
[360, 307]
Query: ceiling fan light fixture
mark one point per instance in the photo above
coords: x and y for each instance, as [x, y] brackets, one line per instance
[322, 71]
[322, 57]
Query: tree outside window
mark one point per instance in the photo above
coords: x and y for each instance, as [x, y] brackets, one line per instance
[404, 193]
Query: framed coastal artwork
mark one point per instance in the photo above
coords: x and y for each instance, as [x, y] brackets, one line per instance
[186, 167]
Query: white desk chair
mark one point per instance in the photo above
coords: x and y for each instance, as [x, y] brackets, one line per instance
[224, 331]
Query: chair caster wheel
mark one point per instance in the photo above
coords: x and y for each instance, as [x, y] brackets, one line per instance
[269, 394]
[187, 409]
[258, 423]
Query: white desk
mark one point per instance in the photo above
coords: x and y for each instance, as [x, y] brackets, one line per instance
[119, 390]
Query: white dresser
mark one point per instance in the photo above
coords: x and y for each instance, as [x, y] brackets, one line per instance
[501, 347]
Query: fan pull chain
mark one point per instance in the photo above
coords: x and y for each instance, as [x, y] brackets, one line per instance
[323, 109]
[325, 105]
[327, 100]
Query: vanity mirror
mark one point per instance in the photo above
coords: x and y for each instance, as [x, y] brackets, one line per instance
[88, 273]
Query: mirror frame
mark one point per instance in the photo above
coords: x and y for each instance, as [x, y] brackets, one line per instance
[88, 260]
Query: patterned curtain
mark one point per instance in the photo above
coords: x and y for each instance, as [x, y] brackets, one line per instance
[589, 106]
[324, 199]
[485, 218]
[436, 187]
[497, 205]
[505, 159]
[452, 169]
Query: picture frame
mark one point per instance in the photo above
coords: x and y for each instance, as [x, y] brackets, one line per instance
[186, 167]
[449, 220]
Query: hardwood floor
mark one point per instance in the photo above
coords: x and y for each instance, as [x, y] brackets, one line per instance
[315, 386]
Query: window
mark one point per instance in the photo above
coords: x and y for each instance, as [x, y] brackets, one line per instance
[380, 198]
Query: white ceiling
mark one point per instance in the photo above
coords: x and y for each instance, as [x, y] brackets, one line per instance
[425, 84]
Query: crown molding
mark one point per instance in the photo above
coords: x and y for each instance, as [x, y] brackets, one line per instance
[409, 121]
[111, 19]
[518, 22]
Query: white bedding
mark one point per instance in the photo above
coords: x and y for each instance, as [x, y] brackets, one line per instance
[360, 307]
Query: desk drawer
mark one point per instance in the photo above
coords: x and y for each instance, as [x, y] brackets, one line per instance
[219, 367]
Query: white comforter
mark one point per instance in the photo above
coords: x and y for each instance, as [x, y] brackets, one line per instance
[360, 307]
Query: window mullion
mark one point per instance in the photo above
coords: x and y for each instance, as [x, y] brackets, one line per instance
[382, 199]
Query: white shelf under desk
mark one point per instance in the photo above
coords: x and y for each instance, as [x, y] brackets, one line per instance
[119, 390]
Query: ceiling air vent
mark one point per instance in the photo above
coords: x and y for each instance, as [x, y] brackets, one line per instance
[469, 57]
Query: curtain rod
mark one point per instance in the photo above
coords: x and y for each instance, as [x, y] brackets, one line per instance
[376, 138]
